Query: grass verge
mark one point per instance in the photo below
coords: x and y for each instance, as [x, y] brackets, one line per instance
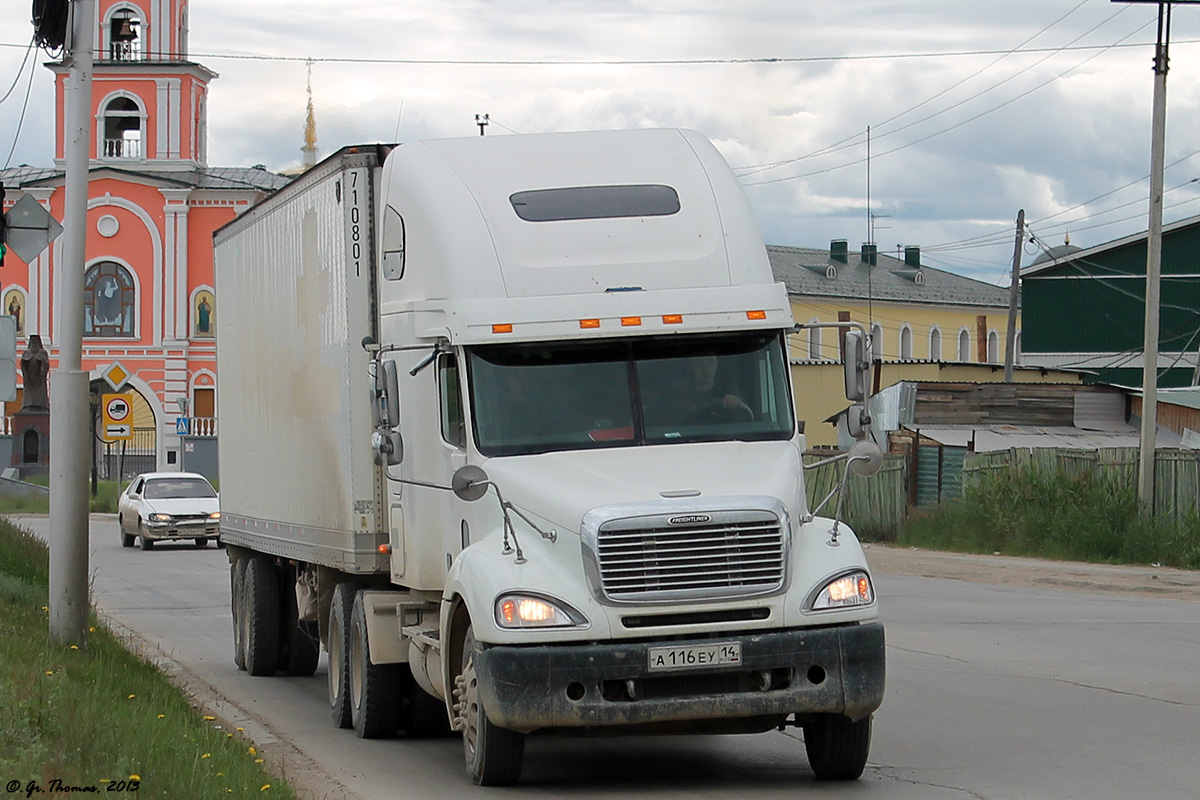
[100, 717]
[103, 502]
[1054, 514]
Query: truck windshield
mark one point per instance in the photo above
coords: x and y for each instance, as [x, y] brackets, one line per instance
[535, 397]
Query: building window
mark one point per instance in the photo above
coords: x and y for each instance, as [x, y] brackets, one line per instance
[108, 295]
[935, 343]
[122, 129]
[964, 345]
[124, 43]
[876, 342]
[993, 347]
[906, 341]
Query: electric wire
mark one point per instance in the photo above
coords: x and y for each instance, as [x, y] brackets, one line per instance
[20, 69]
[20, 121]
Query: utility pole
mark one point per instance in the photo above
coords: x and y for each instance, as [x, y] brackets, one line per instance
[1013, 293]
[69, 605]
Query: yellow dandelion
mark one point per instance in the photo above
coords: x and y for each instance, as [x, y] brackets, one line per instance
[135, 777]
[45, 608]
[220, 774]
[162, 716]
[209, 719]
[265, 787]
[240, 730]
[49, 672]
[251, 751]
[207, 755]
[105, 780]
[91, 630]
[131, 696]
[258, 761]
[74, 647]
[229, 735]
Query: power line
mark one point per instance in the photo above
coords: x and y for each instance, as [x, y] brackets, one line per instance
[21, 121]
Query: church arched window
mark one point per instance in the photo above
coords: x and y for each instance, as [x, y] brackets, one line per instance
[122, 128]
[108, 301]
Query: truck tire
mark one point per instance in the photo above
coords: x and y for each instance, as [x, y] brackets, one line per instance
[237, 583]
[376, 691]
[424, 716]
[340, 610]
[837, 748]
[260, 608]
[494, 756]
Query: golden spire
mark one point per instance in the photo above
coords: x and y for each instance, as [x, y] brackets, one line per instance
[310, 127]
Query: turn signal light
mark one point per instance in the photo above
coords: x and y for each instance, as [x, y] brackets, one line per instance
[756, 315]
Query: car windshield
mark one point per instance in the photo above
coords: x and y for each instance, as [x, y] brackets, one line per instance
[534, 398]
[164, 488]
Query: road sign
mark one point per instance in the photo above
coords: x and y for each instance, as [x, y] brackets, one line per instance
[118, 417]
[115, 376]
[183, 426]
[31, 229]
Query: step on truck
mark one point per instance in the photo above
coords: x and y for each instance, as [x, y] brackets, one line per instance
[507, 430]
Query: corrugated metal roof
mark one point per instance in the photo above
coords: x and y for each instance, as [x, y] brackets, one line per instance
[802, 271]
[1002, 437]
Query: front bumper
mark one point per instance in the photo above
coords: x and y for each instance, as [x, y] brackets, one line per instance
[837, 670]
[181, 529]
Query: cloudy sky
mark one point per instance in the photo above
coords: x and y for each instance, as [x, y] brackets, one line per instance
[975, 109]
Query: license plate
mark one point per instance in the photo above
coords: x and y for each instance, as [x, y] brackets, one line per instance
[706, 656]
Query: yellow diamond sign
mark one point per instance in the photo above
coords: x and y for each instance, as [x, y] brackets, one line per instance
[115, 376]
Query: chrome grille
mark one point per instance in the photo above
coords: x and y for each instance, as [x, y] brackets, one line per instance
[729, 554]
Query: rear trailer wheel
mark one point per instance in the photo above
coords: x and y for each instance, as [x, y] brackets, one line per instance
[340, 611]
[837, 748]
[261, 610]
[494, 756]
[376, 690]
[237, 582]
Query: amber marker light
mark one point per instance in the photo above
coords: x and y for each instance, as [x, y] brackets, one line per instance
[630, 322]
[505, 328]
[756, 315]
[672, 319]
[589, 323]
[384, 549]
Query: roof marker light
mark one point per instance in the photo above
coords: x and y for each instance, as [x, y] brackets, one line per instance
[631, 321]
[756, 315]
[672, 319]
[504, 328]
[589, 323]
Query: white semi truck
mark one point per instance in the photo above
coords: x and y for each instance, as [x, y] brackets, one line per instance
[507, 428]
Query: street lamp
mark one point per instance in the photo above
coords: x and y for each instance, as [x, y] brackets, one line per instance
[1154, 252]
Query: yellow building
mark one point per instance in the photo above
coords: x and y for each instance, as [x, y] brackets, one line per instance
[924, 323]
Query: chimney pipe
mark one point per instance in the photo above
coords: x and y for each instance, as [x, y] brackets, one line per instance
[839, 250]
[870, 253]
[912, 256]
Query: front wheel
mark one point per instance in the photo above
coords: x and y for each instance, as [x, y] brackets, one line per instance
[127, 539]
[837, 748]
[494, 756]
[147, 544]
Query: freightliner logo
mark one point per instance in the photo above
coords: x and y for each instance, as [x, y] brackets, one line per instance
[690, 519]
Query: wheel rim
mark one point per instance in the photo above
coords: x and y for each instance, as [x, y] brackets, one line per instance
[468, 700]
[356, 666]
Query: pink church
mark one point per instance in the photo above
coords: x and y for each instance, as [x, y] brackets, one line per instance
[153, 204]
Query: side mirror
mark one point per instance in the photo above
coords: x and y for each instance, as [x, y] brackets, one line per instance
[387, 396]
[388, 447]
[865, 459]
[469, 483]
[856, 366]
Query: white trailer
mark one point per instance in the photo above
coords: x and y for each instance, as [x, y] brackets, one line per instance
[507, 427]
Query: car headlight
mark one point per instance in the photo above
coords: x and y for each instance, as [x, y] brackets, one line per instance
[849, 590]
[160, 518]
[216, 515]
[532, 611]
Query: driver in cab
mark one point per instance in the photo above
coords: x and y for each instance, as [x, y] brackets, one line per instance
[703, 399]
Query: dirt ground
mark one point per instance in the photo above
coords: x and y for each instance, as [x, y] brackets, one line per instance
[1148, 581]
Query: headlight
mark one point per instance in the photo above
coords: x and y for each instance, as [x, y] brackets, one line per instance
[531, 611]
[160, 518]
[853, 589]
[215, 515]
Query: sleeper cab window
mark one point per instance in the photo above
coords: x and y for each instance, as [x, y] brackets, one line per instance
[393, 244]
[454, 428]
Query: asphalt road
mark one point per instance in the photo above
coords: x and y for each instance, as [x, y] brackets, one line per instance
[993, 692]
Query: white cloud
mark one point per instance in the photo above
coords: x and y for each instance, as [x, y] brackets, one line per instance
[954, 160]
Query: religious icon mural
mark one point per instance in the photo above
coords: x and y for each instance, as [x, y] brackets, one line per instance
[202, 319]
[14, 306]
[108, 295]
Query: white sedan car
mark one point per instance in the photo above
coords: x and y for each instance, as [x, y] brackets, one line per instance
[167, 506]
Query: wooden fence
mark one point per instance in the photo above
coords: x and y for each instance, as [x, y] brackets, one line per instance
[874, 507]
[1176, 472]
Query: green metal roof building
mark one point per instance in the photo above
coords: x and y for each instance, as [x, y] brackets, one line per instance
[1085, 309]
